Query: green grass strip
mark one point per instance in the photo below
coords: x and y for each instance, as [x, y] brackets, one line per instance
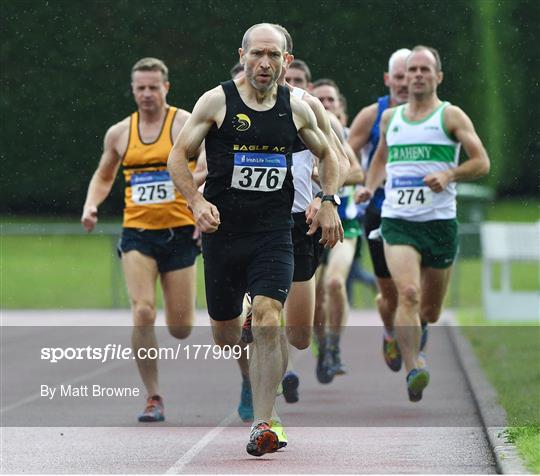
[509, 354]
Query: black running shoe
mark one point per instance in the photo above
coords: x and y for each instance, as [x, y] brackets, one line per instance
[325, 366]
[339, 366]
[290, 385]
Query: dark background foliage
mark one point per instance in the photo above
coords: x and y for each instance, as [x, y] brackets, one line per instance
[65, 74]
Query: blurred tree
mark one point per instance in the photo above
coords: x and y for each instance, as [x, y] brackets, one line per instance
[65, 74]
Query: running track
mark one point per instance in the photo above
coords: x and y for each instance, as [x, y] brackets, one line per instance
[361, 423]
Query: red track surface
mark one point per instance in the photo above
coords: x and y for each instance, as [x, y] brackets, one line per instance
[361, 423]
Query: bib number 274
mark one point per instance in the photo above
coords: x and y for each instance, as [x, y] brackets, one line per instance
[410, 196]
[410, 192]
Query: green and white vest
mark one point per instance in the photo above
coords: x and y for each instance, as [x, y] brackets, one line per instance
[417, 149]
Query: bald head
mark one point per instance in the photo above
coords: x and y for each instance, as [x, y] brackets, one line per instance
[267, 28]
[430, 52]
[287, 35]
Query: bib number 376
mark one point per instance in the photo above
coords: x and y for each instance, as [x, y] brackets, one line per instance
[259, 172]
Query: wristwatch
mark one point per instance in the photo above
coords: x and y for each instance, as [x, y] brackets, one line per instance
[319, 194]
[332, 198]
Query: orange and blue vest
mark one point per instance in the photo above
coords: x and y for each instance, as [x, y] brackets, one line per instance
[151, 201]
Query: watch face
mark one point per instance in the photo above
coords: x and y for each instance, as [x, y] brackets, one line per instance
[337, 200]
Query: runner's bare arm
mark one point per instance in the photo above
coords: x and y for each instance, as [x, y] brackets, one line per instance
[361, 128]
[209, 108]
[323, 121]
[103, 178]
[376, 172]
[327, 217]
[316, 142]
[356, 173]
[179, 120]
[461, 127]
[201, 169]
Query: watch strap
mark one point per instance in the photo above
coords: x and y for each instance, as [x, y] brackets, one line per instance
[329, 198]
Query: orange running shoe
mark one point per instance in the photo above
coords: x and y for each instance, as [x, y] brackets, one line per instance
[262, 440]
[154, 410]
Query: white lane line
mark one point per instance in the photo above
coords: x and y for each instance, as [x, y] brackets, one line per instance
[178, 467]
[80, 378]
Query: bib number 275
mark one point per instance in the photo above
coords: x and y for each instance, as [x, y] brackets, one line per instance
[152, 187]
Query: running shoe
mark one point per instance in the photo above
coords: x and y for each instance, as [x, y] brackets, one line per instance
[339, 367]
[247, 334]
[245, 407]
[262, 440]
[423, 339]
[290, 385]
[325, 370]
[154, 410]
[391, 353]
[417, 380]
[277, 428]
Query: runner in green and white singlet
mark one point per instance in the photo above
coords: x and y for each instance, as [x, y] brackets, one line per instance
[415, 150]
[419, 150]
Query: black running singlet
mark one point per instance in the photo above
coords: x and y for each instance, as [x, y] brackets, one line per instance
[249, 164]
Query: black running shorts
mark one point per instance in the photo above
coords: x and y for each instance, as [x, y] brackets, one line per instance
[171, 248]
[372, 221]
[307, 249]
[236, 263]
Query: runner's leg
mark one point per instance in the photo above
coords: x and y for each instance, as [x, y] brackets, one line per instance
[179, 288]
[141, 273]
[404, 264]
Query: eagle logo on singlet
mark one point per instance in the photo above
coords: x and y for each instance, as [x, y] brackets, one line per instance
[241, 122]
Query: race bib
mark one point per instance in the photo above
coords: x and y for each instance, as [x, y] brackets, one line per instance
[409, 192]
[152, 187]
[259, 172]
